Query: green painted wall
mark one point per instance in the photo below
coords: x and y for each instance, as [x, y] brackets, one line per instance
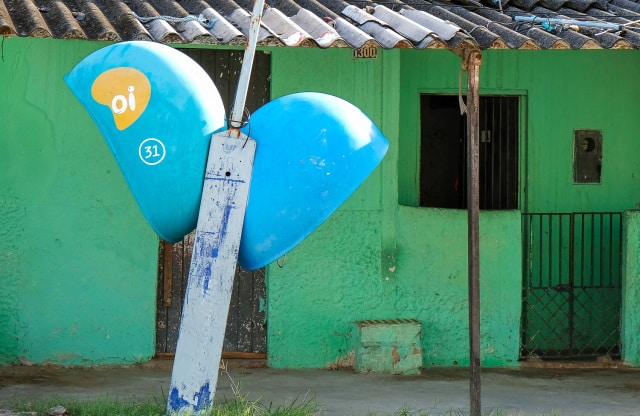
[328, 282]
[375, 259]
[77, 260]
[562, 92]
[631, 288]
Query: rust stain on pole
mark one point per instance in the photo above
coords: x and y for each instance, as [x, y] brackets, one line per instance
[473, 60]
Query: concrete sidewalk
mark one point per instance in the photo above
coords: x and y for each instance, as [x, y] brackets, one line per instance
[521, 391]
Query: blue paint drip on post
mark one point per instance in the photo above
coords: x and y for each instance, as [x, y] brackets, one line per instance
[202, 398]
[225, 216]
[176, 401]
[226, 201]
[208, 272]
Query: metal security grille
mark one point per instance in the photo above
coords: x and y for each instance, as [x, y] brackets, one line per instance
[572, 285]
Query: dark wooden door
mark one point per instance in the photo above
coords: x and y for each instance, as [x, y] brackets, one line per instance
[246, 327]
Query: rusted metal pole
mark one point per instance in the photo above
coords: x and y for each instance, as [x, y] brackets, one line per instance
[473, 62]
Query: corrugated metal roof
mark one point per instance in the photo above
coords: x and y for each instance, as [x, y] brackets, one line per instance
[419, 24]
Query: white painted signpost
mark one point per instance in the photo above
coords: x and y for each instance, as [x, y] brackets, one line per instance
[215, 253]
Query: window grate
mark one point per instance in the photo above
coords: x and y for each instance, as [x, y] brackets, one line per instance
[443, 155]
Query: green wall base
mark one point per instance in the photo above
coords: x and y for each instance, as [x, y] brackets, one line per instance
[389, 346]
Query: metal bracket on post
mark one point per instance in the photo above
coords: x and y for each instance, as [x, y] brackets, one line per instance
[235, 120]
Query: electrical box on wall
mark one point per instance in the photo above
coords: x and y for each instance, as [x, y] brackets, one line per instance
[587, 156]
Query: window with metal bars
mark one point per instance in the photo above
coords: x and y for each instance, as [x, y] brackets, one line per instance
[443, 152]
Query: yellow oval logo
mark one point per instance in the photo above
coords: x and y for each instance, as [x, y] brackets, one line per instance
[126, 91]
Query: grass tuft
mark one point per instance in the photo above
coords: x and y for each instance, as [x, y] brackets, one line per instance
[237, 405]
[156, 407]
[98, 407]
